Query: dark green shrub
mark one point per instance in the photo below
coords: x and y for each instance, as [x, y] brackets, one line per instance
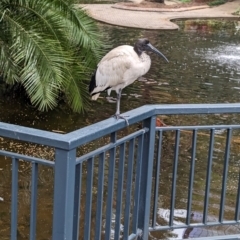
[217, 2]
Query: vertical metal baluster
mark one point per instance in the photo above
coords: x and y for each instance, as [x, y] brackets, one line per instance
[174, 177]
[237, 209]
[88, 205]
[77, 200]
[208, 180]
[119, 191]
[225, 173]
[33, 215]
[191, 177]
[101, 164]
[64, 189]
[157, 174]
[129, 188]
[137, 182]
[146, 176]
[14, 199]
[110, 188]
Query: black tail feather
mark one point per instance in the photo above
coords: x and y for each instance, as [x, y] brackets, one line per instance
[92, 83]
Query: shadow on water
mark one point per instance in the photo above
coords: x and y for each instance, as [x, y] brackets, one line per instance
[204, 68]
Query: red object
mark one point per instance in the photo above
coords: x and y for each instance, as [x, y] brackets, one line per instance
[160, 123]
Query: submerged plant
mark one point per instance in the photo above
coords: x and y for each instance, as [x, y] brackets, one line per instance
[48, 47]
[209, 24]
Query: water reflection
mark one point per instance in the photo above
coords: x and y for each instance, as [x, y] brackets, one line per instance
[180, 216]
[226, 56]
[203, 68]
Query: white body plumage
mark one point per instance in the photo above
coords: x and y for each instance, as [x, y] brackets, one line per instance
[120, 68]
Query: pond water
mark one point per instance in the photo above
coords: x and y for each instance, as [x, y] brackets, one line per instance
[203, 67]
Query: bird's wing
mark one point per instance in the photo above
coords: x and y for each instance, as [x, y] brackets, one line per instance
[117, 52]
[111, 69]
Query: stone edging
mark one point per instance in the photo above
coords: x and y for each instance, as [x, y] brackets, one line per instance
[130, 8]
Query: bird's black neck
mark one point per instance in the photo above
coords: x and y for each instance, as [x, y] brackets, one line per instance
[136, 49]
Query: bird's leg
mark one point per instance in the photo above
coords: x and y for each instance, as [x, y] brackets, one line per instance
[117, 114]
[109, 98]
[118, 102]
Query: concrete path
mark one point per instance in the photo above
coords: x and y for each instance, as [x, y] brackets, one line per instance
[152, 19]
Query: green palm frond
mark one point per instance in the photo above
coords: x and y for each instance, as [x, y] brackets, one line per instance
[74, 95]
[49, 47]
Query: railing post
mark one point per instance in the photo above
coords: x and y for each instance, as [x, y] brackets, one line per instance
[146, 176]
[63, 204]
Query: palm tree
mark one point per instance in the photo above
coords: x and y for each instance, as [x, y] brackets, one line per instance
[49, 48]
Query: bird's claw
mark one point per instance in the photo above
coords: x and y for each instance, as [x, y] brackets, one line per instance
[111, 99]
[118, 116]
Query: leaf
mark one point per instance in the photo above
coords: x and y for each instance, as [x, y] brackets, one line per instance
[50, 48]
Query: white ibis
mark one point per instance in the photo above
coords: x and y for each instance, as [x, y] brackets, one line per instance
[120, 68]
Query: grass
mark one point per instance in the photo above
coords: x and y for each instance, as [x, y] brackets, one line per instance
[237, 12]
[94, 1]
[185, 1]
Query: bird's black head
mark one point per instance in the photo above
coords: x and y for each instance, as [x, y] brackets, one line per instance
[143, 45]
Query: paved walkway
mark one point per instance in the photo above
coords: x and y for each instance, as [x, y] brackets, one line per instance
[156, 19]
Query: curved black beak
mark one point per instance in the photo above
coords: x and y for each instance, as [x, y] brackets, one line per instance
[153, 49]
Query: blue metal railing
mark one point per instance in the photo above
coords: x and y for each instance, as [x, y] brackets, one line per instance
[119, 183]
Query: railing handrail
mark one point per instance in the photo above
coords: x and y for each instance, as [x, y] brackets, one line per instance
[138, 154]
[86, 134]
[32, 135]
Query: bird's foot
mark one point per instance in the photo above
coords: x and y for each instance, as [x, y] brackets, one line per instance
[111, 99]
[117, 116]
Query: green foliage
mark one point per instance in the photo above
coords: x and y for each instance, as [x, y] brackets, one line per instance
[185, 1]
[217, 2]
[94, 1]
[50, 48]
